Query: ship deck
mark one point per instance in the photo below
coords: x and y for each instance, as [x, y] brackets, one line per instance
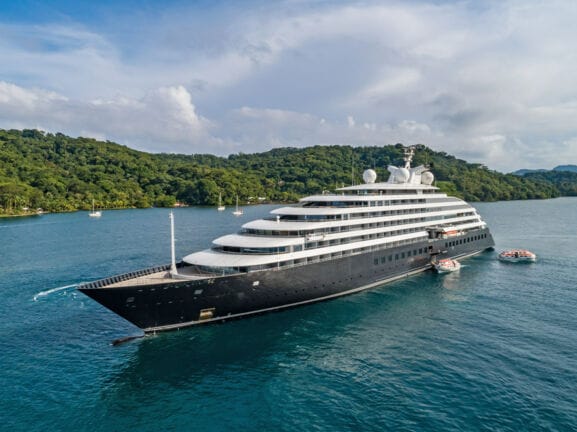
[161, 277]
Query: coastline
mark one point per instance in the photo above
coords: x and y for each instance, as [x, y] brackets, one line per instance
[5, 216]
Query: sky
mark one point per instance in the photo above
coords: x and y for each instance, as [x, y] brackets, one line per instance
[491, 82]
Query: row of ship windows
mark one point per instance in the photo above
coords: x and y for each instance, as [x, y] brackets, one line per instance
[402, 255]
[207, 270]
[324, 218]
[346, 204]
[346, 228]
[465, 240]
[321, 243]
[397, 192]
[312, 245]
[334, 230]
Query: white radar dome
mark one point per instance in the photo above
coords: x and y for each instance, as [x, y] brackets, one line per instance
[402, 175]
[369, 176]
[427, 178]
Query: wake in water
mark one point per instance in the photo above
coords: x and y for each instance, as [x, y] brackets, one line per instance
[53, 290]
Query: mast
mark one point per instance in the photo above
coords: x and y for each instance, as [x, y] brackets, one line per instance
[172, 252]
[408, 157]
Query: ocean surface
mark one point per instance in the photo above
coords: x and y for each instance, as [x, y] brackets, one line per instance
[490, 348]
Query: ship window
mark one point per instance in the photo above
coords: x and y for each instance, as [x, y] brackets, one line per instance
[402, 255]
[390, 257]
[396, 257]
[376, 261]
[409, 253]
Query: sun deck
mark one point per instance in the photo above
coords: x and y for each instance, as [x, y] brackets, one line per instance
[151, 276]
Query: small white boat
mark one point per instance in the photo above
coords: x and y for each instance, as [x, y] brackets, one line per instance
[447, 265]
[220, 206]
[237, 212]
[517, 255]
[94, 213]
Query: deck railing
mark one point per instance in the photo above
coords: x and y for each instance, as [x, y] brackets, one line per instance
[125, 276]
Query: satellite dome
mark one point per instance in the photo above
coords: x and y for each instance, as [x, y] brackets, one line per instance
[427, 178]
[369, 176]
[402, 175]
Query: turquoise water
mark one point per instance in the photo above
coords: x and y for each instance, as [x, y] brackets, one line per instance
[490, 348]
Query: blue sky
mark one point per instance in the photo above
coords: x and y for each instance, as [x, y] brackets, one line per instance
[493, 82]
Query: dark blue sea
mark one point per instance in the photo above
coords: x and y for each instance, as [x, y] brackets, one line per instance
[490, 348]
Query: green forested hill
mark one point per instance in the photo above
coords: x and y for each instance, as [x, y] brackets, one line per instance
[60, 173]
[564, 181]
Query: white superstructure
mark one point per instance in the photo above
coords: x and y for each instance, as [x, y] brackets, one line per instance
[355, 220]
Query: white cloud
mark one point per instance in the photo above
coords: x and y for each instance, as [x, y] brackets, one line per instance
[475, 80]
[163, 120]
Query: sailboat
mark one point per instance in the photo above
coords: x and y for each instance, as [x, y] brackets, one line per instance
[220, 206]
[237, 212]
[94, 213]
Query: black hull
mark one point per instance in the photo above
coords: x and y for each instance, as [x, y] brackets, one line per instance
[184, 303]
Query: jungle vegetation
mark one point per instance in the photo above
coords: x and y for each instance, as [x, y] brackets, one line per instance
[58, 173]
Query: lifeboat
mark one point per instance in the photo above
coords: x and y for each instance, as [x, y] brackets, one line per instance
[447, 265]
[517, 255]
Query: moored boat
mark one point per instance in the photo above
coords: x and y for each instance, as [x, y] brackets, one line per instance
[446, 265]
[326, 246]
[517, 255]
[220, 206]
[238, 211]
[94, 213]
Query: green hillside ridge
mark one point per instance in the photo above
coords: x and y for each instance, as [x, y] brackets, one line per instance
[564, 181]
[59, 173]
[522, 172]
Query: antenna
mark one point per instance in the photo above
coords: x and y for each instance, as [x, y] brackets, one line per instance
[172, 252]
[408, 157]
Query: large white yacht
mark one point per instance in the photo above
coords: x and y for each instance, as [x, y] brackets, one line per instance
[323, 247]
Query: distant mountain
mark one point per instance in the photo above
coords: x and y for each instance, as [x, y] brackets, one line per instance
[524, 171]
[564, 181]
[571, 168]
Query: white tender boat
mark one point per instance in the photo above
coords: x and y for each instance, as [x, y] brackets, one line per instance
[517, 255]
[447, 265]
